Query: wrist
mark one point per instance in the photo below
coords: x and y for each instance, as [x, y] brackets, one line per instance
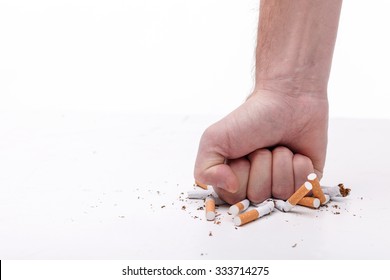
[293, 87]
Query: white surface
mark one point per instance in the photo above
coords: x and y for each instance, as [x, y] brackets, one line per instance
[170, 56]
[104, 186]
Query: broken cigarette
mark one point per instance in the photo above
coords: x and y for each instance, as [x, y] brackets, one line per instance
[203, 186]
[286, 206]
[199, 194]
[254, 214]
[317, 191]
[239, 207]
[336, 191]
[210, 208]
[202, 194]
[311, 202]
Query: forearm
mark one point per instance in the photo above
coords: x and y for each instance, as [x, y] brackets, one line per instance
[295, 45]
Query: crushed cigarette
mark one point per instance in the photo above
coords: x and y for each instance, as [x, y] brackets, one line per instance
[321, 196]
[336, 191]
[254, 214]
[239, 207]
[203, 194]
[199, 194]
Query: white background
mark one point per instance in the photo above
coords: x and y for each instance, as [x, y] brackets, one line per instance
[174, 56]
[81, 180]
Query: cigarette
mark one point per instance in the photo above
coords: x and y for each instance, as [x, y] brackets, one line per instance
[203, 186]
[286, 206]
[239, 207]
[299, 193]
[311, 202]
[203, 194]
[253, 214]
[199, 194]
[336, 191]
[282, 205]
[210, 208]
[317, 191]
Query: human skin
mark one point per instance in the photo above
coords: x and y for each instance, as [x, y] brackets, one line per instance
[268, 145]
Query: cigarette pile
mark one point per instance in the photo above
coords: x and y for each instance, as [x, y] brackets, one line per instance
[243, 212]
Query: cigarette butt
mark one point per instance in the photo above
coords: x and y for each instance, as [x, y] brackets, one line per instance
[311, 202]
[239, 207]
[253, 214]
[210, 208]
[203, 186]
[301, 192]
[317, 191]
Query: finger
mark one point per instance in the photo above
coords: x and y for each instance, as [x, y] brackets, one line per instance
[282, 173]
[260, 175]
[240, 168]
[302, 167]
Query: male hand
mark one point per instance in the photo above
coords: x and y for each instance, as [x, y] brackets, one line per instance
[266, 147]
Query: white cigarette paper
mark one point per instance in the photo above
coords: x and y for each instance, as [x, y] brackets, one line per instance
[199, 194]
[336, 191]
[282, 205]
[331, 191]
[203, 194]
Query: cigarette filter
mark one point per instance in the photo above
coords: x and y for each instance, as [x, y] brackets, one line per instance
[210, 208]
[317, 191]
[239, 207]
[311, 202]
[254, 214]
[199, 184]
[299, 193]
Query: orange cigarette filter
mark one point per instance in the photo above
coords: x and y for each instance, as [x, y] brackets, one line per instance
[300, 193]
[199, 184]
[311, 202]
[247, 217]
[210, 208]
[317, 191]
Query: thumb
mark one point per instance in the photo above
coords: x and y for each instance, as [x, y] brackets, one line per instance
[210, 164]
